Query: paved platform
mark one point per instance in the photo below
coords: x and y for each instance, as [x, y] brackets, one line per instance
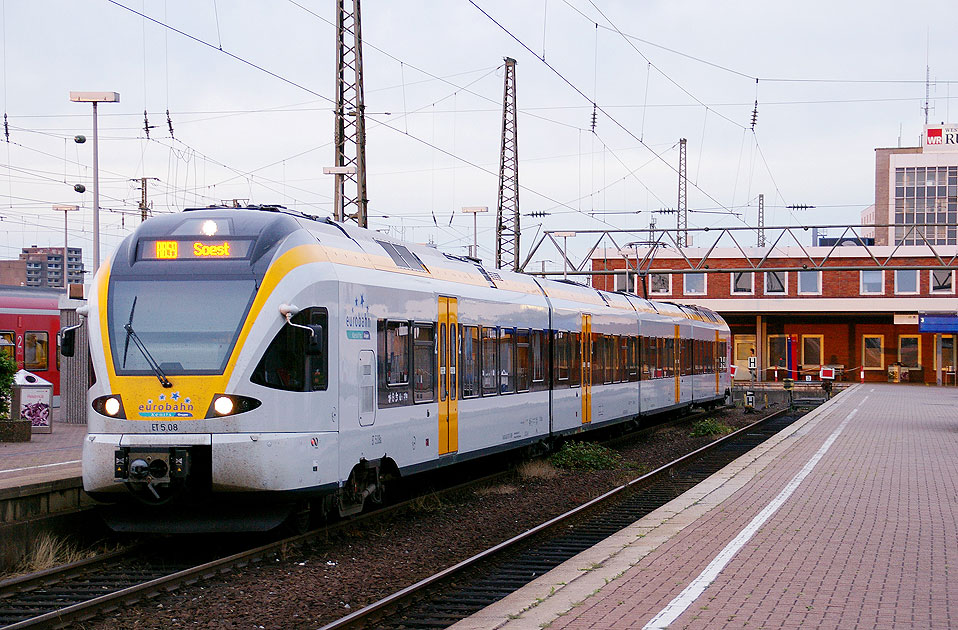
[847, 519]
[46, 457]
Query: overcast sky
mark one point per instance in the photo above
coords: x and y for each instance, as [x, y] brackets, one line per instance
[248, 87]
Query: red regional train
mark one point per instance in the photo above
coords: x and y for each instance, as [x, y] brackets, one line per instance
[29, 321]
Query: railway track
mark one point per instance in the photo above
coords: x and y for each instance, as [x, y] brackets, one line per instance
[459, 591]
[66, 595]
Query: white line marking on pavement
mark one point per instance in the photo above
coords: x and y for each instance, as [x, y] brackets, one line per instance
[692, 592]
[10, 470]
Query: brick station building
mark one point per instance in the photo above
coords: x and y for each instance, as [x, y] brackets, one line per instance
[856, 314]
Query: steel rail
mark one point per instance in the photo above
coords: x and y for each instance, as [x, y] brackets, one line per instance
[360, 617]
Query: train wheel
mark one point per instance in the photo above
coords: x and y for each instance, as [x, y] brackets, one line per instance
[299, 520]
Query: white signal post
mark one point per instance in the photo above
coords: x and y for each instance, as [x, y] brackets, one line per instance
[475, 210]
[95, 97]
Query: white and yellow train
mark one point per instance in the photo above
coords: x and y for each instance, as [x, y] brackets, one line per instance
[251, 360]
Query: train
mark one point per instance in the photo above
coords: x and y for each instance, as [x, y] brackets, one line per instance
[252, 364]
[29, 322]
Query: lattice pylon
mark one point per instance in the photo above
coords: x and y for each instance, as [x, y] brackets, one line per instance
[682, 216]
[349, 194]
[507, 218]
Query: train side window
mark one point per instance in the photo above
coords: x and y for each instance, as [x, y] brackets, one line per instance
[633, 373]
[538, 354]
[36, 345]
[424, 362]
[507, 360]
[393, 341]
[562, 359]
[469, 364]
[575, 358]
[490, 373]
[523, 360]
[285, 364]
[10, 337]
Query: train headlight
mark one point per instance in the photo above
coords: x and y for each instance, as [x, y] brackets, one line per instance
[111, 406]
[230, 405]
[223, 405]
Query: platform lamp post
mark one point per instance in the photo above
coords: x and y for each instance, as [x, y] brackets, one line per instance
[95, 98]
[65, 209]
[474, 211]
[565, 251]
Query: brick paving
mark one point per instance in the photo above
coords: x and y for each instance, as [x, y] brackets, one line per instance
[46, 457]
[869, 539]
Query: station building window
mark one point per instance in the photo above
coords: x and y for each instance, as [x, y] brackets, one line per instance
[694, 284]
[872, 282]
[873, 355]
[776, 283]
[942, 281]
[660, 284]
[906, 281]
[742, 282]
[777, 351]
[809, 282]
[909, 350]
[812, 350]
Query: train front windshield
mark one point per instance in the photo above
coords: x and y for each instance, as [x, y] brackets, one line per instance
[187, 327]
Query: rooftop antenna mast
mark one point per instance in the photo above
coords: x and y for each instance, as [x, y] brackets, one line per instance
[507, 220]
[682, 217]
[349, 172]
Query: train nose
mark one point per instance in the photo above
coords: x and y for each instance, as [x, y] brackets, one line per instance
[139, 469]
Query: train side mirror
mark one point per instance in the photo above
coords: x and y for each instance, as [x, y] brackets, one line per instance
[314, 346]
[68, 341]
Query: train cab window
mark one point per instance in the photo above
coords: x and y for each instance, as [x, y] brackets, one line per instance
[36, 345]
[10, 347]
[490, 373]
[523, 360]
[424, 362]
[469, 362]
[507, 356]
[285, 364]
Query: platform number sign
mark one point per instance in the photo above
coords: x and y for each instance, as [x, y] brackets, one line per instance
[752, 363]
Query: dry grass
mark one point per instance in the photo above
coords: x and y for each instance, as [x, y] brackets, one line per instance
[496, 490]
[48, 552]
[537, 469]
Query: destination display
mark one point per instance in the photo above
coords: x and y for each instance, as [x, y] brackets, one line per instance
[193, 249]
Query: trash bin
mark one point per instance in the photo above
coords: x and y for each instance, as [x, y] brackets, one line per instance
[32, 396]
[894, 373]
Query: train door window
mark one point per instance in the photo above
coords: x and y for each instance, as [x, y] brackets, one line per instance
[575, 359]
[507, 360]
[873, 355]
[490, 372]
[469, 364]
[812, 350]
[319, 364]
[537, 349]
[11, 338]
[424, 363]
[523, 360]
[562, 359]
[909, 351]
[36, 350]
[443, 362]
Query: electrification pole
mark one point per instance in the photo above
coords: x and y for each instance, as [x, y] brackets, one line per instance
[761, 220]
[144, 206]
[349, 195]
[682, 217]
[507, 220]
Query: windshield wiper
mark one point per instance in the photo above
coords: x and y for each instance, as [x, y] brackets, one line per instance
[131, 334]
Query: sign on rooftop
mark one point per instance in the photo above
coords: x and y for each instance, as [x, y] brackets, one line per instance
[940, 138]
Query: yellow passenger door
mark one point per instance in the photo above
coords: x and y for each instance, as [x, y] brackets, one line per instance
[448, 349]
